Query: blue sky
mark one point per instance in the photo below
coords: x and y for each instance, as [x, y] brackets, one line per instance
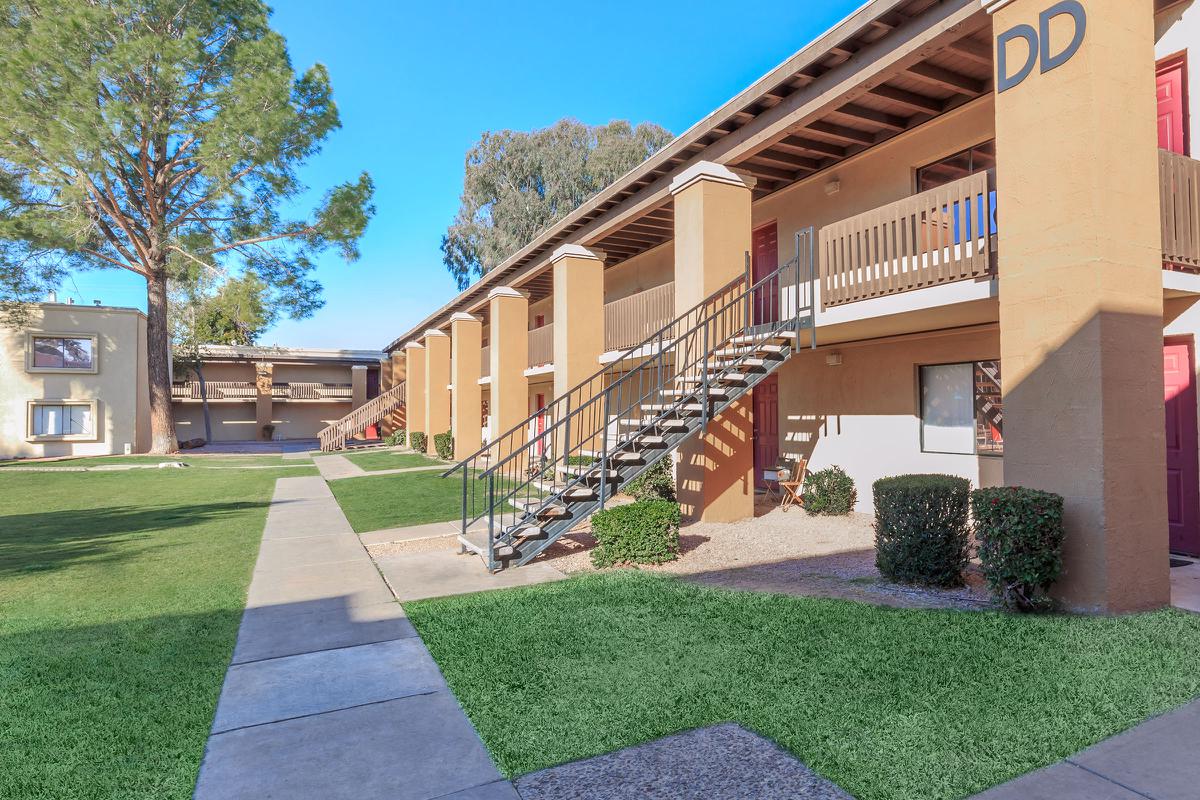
[418, 83]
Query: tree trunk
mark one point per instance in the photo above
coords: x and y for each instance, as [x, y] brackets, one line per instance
[204, 404]
[158, 358]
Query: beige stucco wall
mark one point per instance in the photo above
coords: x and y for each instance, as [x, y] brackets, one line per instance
[312, 373]
[643, 271]
[230, 421]
[864, 415]
[304, 420]
[119, 386]
[1177, 30]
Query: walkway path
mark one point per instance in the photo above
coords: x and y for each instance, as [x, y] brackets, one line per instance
[1154, 761]
[331, 694]
[335, 468]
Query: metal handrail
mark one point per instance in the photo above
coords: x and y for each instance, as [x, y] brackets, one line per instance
[333, 437]
[671, 379]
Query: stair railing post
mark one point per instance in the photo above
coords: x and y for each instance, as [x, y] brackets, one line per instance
[797, 292]
[704, 373]
[749, 293]
[491, 544]
[466, 477]
[604, 450]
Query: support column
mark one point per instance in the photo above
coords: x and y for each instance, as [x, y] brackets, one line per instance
[392, 372]
[414, 392]
[358, 386]
[437, 386]
[1081, 289]
[264, 400]
[578, 324]
[508, 310]
[715, 477]
[466, 341]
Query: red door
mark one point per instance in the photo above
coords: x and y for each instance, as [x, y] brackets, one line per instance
[1183, 472]
[766, 428]
[764, 257]
[1172, 105]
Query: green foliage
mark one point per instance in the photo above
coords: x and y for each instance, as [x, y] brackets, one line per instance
[443, 443]
[517, 183]
[395, 439]
[417, 441]
[656, 483]
[645, 532]
[1020, 534]
[921, 530]
[829, 491]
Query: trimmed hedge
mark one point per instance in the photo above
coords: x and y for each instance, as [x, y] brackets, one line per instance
[656, 483]
[443, 443]
[1020, 534]
[395, 439]
[645, 532]
[829, 491]
[921, 530]
[417, 441]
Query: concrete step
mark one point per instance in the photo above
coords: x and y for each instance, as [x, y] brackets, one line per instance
[663, 424]
[527, 532]
[648, 441]
[713, 391]
[745, 364]
[553, 511]
[683, 410]
[580, 494]
[476, 542]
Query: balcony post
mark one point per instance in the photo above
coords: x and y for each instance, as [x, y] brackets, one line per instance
[358, 386]
[1081, 295]
[264, 384]
[466, 337]
[392, 372]
[508, 311]
[715, 479]
[437, 383]
[414, 393]
[578, 323]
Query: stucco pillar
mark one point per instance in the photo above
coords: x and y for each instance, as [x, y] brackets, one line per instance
[1080, 272]
[508, 310]
[358, 385]
[437, 383]
[264, 383]
[466, 341]
[715, 477]
[578, 321]
[414, 392]
[395, 374]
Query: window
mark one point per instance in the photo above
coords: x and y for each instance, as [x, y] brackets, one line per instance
[961, 409]
[62, 419]
[54, 353]
[970, 161]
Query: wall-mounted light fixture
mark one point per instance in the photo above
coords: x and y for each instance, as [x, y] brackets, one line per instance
[833, 359]
[833, 187]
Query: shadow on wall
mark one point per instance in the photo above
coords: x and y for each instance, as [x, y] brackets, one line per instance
[51, 540]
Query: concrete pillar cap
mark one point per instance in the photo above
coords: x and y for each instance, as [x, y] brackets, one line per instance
[506, 291]
[462, 316]
[435, 332]
[992, 6]
[576, 251]
[414, 345]
[357, 366]
[709, 171]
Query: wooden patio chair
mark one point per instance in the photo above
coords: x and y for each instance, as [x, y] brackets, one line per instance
[791, 480]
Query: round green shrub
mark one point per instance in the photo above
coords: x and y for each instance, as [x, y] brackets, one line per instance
[656, 483]
[395, 439]
[417, 440]
[921, 530]
[829, 491]
[443, 444]
[645, 532]
[1020, 534]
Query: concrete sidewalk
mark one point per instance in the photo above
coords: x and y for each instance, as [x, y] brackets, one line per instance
[1153, 761]
[331, 693]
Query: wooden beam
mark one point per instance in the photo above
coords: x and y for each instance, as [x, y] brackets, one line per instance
[969, 48]
[811, 146]
[786, 160]
[955, 82]
[917, 102]
[635, 237]
[770, 173]
[892, 121]
[841, 132]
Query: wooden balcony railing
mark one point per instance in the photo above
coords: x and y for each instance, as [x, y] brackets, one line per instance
[541, 346]
[942, 235]
[485, 361]
[216, 390]
[635, 318]
[1179, 196]
[312, 391]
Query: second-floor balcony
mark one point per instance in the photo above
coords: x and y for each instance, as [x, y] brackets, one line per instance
[216, 390]
[949, 234]
[335, 392]
[247, 391]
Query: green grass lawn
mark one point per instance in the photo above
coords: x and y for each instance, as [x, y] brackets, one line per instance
[891, 704]
[120, 598]
[395, 501]
[391, 459]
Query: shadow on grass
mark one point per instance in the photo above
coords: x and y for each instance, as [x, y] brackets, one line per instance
[51, 540]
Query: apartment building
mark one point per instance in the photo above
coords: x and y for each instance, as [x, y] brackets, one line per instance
[73, 382]
[273, 393]
[947, 236]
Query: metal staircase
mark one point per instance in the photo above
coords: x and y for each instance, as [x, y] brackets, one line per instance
[375, 410]
[526, 488]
